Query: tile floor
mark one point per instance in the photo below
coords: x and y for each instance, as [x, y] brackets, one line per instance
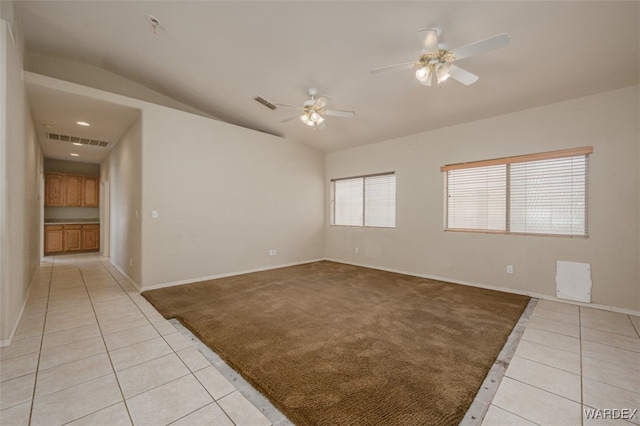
[90, 350]
[571, 360]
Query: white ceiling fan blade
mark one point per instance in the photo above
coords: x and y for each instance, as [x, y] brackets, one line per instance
[463, 76]
[288, 106]
[429, 40]
[394, 67]
[339, 113]
[495, 42]
[320, 102]
[290, 118]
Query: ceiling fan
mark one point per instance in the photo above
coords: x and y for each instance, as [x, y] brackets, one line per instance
[437, 58]
[313, 110]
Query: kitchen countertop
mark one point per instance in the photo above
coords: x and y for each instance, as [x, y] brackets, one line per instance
[71, 221]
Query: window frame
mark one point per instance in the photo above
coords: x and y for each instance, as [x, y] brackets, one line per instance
[507, 161]
[364, 201]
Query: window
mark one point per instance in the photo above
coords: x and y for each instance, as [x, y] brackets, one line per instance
[542, 193]
[364, 201]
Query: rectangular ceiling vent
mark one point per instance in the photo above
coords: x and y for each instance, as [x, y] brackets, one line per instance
[265, 102]
[74, 139]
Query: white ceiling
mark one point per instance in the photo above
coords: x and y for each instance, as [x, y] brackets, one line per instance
[57, 112]
[217, 56]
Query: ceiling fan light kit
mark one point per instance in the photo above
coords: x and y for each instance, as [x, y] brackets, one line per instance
[314, 111]
[437, 58]
[311, 119]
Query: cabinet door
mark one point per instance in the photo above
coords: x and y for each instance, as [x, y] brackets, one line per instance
[90, 237]
[91, 191]
[72, 237]
[53, 238]
[73, 190]
[54, 190]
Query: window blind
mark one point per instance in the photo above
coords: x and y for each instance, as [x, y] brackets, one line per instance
[549, 196]
[380, 200]
[543, 193]
[477, 198]
[348, 202]
[364, 201]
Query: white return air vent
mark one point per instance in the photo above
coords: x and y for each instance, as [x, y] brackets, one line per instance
[573, 281]
[74, 139]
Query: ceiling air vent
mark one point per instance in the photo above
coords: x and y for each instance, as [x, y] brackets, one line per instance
[265, 102]
[74, 139]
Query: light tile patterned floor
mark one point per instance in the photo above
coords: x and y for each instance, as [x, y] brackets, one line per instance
[91, 351]
[570, 361]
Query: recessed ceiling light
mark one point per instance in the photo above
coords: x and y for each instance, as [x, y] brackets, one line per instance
[77, 144]
[83, 123]
[73, 154]
[47, 126]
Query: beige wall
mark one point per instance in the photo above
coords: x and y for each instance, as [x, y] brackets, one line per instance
[225, 196]
[21, 175]
[608, 122]
[123, 171]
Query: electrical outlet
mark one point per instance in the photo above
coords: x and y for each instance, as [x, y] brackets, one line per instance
[357, 250]
[509, 269]
[154, 214]
[131, 261]
[273, 252]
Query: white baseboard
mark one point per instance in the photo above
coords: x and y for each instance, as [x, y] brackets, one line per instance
[124, 274]
[433, 277]
[7, 342]
[497, 288]
[231, 274]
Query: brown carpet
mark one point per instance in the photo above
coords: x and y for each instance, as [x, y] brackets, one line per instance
[335, 344]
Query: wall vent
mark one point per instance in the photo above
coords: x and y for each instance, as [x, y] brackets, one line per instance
[573, 281]
[265, 102]
[74, 139]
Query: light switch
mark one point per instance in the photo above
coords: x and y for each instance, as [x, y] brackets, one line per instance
[154, 214]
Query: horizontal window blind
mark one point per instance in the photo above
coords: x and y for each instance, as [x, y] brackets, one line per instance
[364, 201]
[477, 198]
[348, 202]
[380, 200]
[543, 193]
[549, 196]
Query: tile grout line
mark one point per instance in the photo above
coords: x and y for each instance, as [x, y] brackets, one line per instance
[214, 400]
[190, 372]
[44, 323]
[240, 384]
[633, 326]
[105, 345]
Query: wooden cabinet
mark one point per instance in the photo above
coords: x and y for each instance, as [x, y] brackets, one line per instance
[62, 190]
[54, 190]
[90, 191]
[72, 191]
[53, 238]
[71, 238]
[90, 237]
